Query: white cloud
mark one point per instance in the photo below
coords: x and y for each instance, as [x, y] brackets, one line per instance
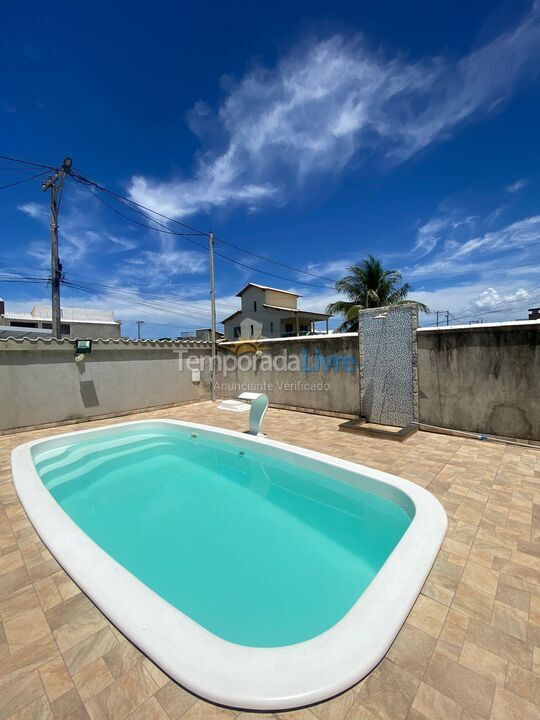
[460, 253]
[34, 210]
[328, 101]
[491, 297]
[517, 186]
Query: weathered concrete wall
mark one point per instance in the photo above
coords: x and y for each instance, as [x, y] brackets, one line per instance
[481, 379]
[317, 372]
[41, 383]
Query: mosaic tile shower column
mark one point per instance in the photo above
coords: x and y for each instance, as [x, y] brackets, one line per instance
[388, 365]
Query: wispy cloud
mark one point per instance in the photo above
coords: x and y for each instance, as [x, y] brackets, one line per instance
[331, 100]
[517, 186]
[81, 232]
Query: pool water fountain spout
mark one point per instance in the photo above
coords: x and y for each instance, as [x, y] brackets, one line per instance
[259, 406]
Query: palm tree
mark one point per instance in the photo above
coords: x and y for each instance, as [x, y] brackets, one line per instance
[368, 285]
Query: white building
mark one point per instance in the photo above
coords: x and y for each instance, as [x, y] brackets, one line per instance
[75, 322]
[270, 312]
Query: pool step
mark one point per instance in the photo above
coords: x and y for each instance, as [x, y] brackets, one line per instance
[360, 426]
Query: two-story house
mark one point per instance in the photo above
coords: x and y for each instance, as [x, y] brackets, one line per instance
[269, 312]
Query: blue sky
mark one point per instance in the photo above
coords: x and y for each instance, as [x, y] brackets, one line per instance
[310, 133]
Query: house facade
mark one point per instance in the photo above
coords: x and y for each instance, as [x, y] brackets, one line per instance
[271, 313]
[75, 322]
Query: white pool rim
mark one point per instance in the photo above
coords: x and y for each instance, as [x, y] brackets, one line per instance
[270, 678]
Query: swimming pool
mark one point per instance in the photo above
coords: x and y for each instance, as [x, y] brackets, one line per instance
[257, 574]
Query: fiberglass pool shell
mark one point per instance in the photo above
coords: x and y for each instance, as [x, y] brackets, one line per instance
[266, 625]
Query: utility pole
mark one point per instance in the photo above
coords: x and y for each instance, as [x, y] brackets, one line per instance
[140, 323]
[213, 318]
[56, 184]
[444, 313]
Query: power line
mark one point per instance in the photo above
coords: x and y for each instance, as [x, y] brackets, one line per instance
[26, 179]
[121, 198]
[26, 162]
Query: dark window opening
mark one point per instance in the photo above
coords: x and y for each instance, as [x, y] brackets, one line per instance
[252, 331]
[236, 331]
[65, 329]
[254, 306]
[288, 327]
[16, 323]
[271, 327]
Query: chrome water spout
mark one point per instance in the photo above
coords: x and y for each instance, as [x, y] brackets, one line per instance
[259, 406]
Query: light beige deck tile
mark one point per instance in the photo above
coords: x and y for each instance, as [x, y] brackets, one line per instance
[204, 711]
[461, 684]
[500, 643]
[85, 652]
[36, 710]
[92, 679]
[473, 602]
[55, 678]
[428, 615]
[510, 620]
[123, 696]
[432, 704]
[18, 602]
[18, 694]
[480, 578]
[507, 706]
[68, 706]
[14, 666]
[336, 708]
[24, 629]
[121, 658]
[484, 662]
[388, 692]
[47, 593]
[412, 650]
[174, 700]
[150, 710]
[523, 683]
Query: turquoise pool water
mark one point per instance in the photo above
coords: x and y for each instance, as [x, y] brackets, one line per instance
[254, 548]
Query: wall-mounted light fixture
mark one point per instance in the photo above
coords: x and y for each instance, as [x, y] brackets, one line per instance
[82, 348]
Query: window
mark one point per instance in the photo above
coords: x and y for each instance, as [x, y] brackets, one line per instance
[236, 331]
[65, 329]
[46, 326]
[288, 327]
[303, 328]
[271, 327]
[16, 323]
[254, 306]
[252, 331]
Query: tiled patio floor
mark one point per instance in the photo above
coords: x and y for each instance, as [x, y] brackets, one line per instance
[470, 648]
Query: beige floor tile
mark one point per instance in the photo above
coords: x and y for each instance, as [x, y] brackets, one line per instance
[509, 620]
[55, 678]
[123, 696]
[507, 706]
[388, 692]
[174, 700]
[523, 683]
[150, 710]
[412, 650]
[434, 705]
[485, 663]
[16, 695]
[461, 684]
[428, 615]
[92, 679]
[25, 629]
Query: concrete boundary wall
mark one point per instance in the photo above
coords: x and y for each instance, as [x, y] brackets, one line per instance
[314, 372]
[481, 378]
[40, 382]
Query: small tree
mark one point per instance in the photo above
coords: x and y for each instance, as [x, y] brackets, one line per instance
[368, 285]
